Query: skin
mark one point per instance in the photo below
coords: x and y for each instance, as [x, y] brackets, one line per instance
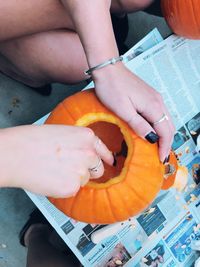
[55, 167]
[45, 44]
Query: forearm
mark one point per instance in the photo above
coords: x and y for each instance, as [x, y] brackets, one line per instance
[93, 24]
[5, 158]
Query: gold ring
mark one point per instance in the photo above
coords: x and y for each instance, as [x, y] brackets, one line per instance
[164, 117]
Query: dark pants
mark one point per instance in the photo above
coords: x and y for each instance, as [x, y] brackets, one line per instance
[155, 8]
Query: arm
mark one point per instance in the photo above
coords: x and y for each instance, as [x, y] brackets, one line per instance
[50, 160]
[93, 24]
[4, 160]
[119, 89]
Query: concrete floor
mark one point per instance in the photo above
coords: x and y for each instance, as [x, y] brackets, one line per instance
[20, 105]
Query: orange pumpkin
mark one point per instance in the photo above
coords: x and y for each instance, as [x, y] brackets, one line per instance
[124, 190]
[183, 17]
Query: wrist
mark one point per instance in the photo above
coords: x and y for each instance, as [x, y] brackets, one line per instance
[110, 61]
[108, 72]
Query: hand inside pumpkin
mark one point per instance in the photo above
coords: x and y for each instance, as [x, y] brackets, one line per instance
[135, 102]
[50, 160]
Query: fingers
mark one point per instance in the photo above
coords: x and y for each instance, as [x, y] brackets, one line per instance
[93, 143]
[165, 130]
[104, 153]
[101, 152]
[96, 170]
[155, 124]
[161, 122]
[92, 152]
[143, 128]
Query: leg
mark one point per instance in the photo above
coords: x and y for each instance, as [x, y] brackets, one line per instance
[20, 18]
[43, 58]
[40, 251]
[155, 8]
[51, 55]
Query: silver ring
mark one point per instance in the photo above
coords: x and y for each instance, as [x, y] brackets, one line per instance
[95, 168]
[164, 117]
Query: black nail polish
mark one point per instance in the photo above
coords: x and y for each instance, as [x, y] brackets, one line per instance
[152, 137]
[115, 161]
[166, 160]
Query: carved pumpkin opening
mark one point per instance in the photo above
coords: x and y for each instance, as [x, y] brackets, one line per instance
[127, 191]
[112, 136]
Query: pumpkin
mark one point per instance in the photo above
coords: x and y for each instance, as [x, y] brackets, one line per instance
[183, 17]
[125, 189]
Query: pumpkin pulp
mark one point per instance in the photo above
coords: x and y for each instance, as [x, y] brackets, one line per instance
[116, 137]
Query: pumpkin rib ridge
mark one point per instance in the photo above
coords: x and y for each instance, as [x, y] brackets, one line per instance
[122, 198]
[141, 198]
[68, 111]
[147, 200]
[72, 208]
[63, 208]
[93, 199]
[110, 202]
[177, 12]
[149, 184]
[90, 209]
[195, 17]
[107, 205]
[192, 16]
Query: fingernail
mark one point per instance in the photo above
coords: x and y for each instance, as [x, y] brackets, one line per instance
[115, 161]
[166, 160]
[152, 137]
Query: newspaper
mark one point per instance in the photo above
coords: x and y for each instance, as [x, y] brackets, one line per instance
[163, 234]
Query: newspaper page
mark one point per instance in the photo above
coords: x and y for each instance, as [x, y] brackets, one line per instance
[173, 69]
[163, 234]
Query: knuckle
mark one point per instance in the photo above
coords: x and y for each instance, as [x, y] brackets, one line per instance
[88, 133]
[68, 189]
[157, 100]
[155, 103]
[83, 172]
[89, 154]
[74, 188]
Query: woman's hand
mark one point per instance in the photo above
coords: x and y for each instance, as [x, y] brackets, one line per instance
[51, 160]
[137, 103]
[120, 90]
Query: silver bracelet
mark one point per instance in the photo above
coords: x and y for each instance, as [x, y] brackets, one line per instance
[104, 64]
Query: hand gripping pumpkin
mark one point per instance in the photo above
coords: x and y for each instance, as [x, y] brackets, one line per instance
[129, 187]
[183, 17]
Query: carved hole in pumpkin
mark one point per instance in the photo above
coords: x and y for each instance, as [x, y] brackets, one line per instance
[111, 135]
